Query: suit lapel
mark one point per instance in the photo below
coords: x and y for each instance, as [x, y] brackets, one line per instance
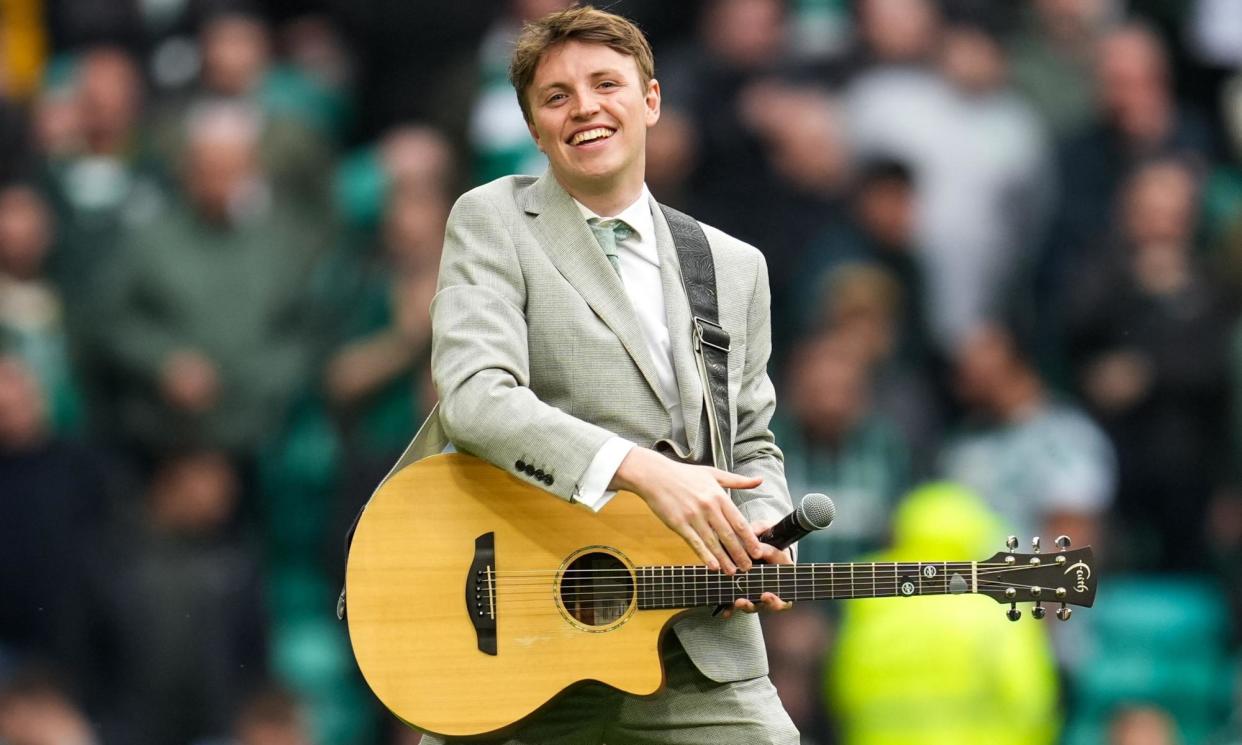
[574, 251]
[677, 310]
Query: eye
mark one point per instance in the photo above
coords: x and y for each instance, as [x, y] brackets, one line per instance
[555, 98]
[609, 84]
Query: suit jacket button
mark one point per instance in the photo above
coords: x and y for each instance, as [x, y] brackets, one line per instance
[520, 465]
[538, 474]
[548, 479]
[530, 470]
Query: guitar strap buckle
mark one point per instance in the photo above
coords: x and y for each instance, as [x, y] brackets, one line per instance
[712, 334]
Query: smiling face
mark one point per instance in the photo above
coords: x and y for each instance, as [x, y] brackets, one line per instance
[590, 111]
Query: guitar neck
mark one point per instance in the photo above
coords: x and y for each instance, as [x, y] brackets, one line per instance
[691, 586]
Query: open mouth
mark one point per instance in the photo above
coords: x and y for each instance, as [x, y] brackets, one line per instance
[587, 136]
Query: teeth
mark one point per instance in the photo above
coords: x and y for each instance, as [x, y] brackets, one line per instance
[591, 134]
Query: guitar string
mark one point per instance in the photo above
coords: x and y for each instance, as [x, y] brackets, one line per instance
[878, 590]
[887, 585]
[781, 578]
[886, 566]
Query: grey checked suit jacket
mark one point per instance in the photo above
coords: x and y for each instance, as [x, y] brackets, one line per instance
[539, 358]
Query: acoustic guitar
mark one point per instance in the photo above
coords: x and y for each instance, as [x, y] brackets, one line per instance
[475, 598]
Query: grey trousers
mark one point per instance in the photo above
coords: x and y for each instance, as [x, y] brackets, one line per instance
[691, 710]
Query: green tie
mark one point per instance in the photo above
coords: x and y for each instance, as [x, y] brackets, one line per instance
[608, 232]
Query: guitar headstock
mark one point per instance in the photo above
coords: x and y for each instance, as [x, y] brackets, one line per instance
[1066, 577]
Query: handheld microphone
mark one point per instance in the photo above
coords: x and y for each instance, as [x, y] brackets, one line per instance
[814, 512]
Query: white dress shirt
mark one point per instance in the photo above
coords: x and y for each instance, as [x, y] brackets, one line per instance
[640, 273]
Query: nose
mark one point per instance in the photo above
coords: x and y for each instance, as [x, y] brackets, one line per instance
[586, 105]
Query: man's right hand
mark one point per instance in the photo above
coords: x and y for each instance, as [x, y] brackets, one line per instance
[693, 502]
[189, 381]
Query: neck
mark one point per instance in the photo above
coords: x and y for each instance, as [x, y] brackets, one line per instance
[606, 201]
[1021, 397]
[693, 586]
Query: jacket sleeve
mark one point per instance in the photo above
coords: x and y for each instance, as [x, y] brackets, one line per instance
[480, 361]
[754, 448]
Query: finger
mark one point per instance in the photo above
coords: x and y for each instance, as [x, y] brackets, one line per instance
[708, 536]
[774, 603]
[744, 605]
[744, 531]
[731, 541]
[700, 548]
[735, 480]
[773, 555]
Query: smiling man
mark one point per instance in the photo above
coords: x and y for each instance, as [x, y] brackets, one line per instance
[563, 353]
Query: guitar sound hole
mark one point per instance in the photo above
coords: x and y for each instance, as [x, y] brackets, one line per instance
[597, 589]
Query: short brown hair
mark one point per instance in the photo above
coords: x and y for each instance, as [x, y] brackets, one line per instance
[579, 23]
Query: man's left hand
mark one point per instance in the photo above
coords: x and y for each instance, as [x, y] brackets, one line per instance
[769, 600]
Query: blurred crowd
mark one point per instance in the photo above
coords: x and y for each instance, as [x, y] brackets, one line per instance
[1005, 246]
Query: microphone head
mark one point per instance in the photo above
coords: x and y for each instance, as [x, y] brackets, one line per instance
[816, 511]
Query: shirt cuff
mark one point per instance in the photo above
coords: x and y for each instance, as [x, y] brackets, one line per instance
[593, 490]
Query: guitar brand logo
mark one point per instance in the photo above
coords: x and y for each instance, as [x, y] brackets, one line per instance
[1082, 573]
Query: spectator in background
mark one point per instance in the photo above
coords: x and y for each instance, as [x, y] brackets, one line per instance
[979, 156]
[210, 326]
[1222, 193]
[1139, 119]
[100, 173]
[499, 137]
[375, 380]
[1142, 725]
[1051, 60]
[864, 273]
[940, 669]
[35, 710]
[165, 630]
[889, 33]
[32, 323]
[743, 162]
[272, 717]
[54, 493]
[1038, 461]
[877, 229]
[18, 156]
[237, 66]
[1148, 329]
[838, 444]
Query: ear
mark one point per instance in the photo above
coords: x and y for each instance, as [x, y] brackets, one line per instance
[652, 101]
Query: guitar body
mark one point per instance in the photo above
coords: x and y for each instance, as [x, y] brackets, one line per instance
[413, 620]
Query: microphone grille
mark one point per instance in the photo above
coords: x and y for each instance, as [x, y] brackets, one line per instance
[818, 510]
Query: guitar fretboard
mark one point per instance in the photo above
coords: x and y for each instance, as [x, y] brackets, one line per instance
[695, 585]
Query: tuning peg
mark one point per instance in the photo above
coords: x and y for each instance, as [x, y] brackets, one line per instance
[1064, 612]
[1035, 544]
[1063, 542]
[1038, 612]
[1013, 613]
[1012, 543]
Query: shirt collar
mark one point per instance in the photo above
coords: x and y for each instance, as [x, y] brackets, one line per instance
[637, 215]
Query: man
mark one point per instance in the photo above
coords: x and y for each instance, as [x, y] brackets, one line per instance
[574, 370]
[210, 320]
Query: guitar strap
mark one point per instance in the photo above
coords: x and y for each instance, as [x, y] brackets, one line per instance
[711, 352]
[711, 342]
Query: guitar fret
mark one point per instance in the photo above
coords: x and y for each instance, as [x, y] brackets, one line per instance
[695, 585]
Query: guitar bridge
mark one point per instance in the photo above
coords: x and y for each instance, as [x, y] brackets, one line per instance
[481, 592]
